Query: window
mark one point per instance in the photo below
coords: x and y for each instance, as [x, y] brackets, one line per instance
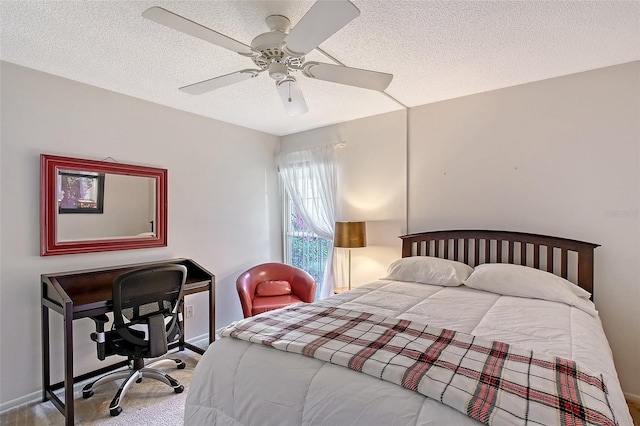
[310, 180]
[302, 248]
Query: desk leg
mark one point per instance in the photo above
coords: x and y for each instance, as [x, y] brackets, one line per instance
[181, 340]
[212, 311]
[68, 364]
[46, 372]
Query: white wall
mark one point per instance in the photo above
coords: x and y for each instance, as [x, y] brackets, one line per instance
[223, 204]
[371, 186]
[558, 157]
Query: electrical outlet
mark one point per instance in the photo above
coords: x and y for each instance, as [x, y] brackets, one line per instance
[189, 311]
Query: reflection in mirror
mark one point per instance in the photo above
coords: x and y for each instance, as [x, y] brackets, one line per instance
[127, 208]
[89, 206]
[80, 192]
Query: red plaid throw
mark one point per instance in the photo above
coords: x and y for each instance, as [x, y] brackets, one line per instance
[492, 382]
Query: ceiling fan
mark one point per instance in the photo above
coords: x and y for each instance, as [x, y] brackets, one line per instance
[281, 51]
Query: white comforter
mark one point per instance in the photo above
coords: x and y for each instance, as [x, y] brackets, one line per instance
[241, 383]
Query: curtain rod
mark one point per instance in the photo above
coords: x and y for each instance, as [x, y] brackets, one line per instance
[340, 144]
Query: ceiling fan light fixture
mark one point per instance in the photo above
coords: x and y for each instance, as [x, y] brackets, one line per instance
[278, 71]
[291, 96]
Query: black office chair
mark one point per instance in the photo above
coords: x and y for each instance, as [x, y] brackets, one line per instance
[146, 317]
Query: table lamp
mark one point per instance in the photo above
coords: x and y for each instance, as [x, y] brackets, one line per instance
[350, 235]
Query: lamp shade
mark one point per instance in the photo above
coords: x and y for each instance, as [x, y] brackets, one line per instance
[350, 235]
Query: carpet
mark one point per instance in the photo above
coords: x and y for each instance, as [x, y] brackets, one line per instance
[147, 403]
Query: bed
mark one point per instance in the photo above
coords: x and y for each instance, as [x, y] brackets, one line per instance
[254, 382]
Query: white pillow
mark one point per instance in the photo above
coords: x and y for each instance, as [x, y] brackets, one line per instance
[429, 270]
[523, 281]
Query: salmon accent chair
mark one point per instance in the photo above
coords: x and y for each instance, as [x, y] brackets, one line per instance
[271, 286]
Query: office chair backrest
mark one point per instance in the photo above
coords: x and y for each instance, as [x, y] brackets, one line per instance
[146, 304]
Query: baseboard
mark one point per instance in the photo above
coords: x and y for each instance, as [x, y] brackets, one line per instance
[37, 395]
[34, 396]
[198, 338]
[632, 398]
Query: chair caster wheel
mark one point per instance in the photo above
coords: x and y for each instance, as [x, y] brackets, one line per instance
[179, 389]
[139, 380]
[115, 411]
[181, 366]
[86, 394]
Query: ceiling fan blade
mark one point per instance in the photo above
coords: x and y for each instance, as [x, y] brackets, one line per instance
[350, 76]
[292, 96]
[324, 19]
[177, 22]
[218, 82]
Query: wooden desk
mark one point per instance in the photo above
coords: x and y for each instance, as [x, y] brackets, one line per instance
[81, 294]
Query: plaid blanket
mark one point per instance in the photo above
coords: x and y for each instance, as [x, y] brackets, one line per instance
[492, 382]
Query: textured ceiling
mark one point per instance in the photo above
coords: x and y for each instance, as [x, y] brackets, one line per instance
[436, 50]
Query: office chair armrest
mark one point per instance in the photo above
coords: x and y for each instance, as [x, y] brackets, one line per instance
[100, 321]
[99, 336]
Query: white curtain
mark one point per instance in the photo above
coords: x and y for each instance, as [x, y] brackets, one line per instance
[310, 180]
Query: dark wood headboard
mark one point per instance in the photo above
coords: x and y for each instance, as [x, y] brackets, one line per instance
[570, 259]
